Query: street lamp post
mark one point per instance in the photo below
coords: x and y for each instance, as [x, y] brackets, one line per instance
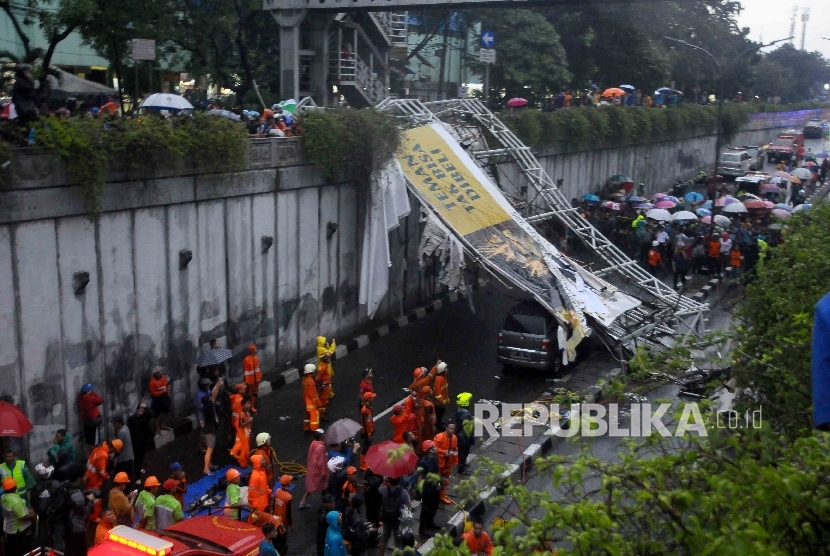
[720, 85]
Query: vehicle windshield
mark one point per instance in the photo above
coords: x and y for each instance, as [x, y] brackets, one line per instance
[783, 143]
[525, 324]
[730, 157]
[194, 542]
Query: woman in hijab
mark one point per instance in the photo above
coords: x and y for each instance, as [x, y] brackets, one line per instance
[334, 537]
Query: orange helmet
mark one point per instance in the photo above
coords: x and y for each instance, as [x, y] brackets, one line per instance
[417, 372]
[252, 347]
[117, 444]
[121, 478]
[9, 484]
[427, 445]
[151, 481]
[232, 474]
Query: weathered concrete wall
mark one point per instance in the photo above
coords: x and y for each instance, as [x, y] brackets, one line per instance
[140, 309]
[656, 164]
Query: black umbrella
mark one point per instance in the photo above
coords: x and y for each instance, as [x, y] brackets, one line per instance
[341, 430]
[214, 357]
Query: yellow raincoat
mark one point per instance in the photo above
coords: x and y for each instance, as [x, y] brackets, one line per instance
[326, 349]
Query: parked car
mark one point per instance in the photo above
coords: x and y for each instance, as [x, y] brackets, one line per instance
[788, 144]
[814, 129]
[737, 161]
[528, 338]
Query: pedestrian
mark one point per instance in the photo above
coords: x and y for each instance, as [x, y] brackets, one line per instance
[441, 390]
[96, 465]
[422, 378]
[242, 447]
[429, 488]
[326, 348]
[698, 257]
[400, 423]
[335, 546]
[252, 375]
[357, 530]
[394, 498]
[662, 238]
[680, 267]
[160, 401]
[426, 414]
[284, 502]
[235, 400]
[478, 540]
[260, 519]
[88, 403]
[465, 429]
[337, 478]
[168, 509]
[145, 504]
[323, 380]
[725, 249]
[367, 383]
[107, 523]
[266, 545]
[46, 505]
[311, 399]
[264, 449]
[655, 261]
[259, 493]
[76, 513]
[713, 261]
[322, 523]
[120, 503]
[140, 425]
[126, 458]
[19, 471]
[177, 474]
[233, 499]
[446, 443]
[735, 259]
[317, 472]
[17, 519]
[824, 169]
[348, 489]
[24, 94]
[371, 495]
[61, 454]
[210, 422]
[367, 426]
[411, 439]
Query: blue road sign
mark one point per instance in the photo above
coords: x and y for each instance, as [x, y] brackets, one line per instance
[488, 39]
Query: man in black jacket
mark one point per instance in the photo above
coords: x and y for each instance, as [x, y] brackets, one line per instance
[356, 530]
[140, 425]
[24, 94]
[429, 485]
[322, 524]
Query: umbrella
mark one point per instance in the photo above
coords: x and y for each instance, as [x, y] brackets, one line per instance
[693, 197]
[783, 206]
[684, 215]
[759, 205]
[613, 92]
[783, 214]
[12, 421]
[590, 197]
[214, 357]
[703, 212]
[782, 174]
[611, 205]
[160, 101]
[341, 430]
[671, 198]
[645, 206]
[635, 199]
[795, 179]
[706, 219]
[776, 179]
[707, 205]
[663, 204]
[632, 87]
[725, 200]
[516, 102]
[777, 226]
[802, 173]
[721, 220]
[734, 208]
[811, 164]
[748, 197]
[660, 195]
[801, 207]
[770, 188]
[224, 114]
[620, 178]
[617, 195]
[391, 459]
[822, 155]
[289, 105]
[659, 214]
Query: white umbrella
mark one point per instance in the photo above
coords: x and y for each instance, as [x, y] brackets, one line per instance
[659, 214]
[802, 173]
[735, 208]
[161, 101]
[721, 220]
[684, 215]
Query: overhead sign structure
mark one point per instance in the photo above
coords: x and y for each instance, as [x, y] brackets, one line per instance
[487, 56]
[144, 49]
[488, 39]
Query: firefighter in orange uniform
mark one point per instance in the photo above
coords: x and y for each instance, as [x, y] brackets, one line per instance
[426, 414]
[96, 465]
[422, 378]
[400, 423]
[441, 388]
[446, 443]
[259, 495]
[311, 398]
[323, 384]
[252, 375]
[236, 406]
[367, 426]
[242, 447]
[264, 449]
[283, 502]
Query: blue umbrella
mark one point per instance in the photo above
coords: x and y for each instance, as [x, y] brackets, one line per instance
[590, 197]
[703, 212]
[822, 155]
[799, 208]
[782, 206]
[644, 206]
[627, 87]
[693, 197]
[707, 205]
[634, 199]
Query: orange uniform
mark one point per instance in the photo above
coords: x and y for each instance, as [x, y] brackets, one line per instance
[312, 403]
[282, 507]
[654, 258]
[367, 423]
[96, 467]
[236, 410]
[426, 420]
[714, 248]
[400, 424]
[158, 386]
[252, 375]
[242, 446]
[441, 389]
[424, 379]
[735, 258]
[102, 532]
[447, 448]
[259, 494]
[323, 390]
[267, 453]
[478, 545]
[260, 518]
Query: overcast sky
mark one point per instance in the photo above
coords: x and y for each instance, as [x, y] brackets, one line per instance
[770, 20]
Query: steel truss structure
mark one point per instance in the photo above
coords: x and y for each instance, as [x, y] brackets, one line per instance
[664, 314]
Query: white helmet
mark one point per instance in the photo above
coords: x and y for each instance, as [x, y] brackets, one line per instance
[309, 368]
[262, 438]
[442, 367]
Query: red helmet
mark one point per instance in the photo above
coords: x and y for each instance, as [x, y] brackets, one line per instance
[417, 372]
[427, 445]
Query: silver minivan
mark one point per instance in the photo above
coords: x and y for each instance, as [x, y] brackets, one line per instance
[528, 338]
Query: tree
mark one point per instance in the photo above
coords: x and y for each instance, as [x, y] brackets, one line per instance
[773, 79]
[810, 69]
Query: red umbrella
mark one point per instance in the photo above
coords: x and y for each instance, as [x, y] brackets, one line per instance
[516, 102]
[391, 459]
[759, 205]
[12, 421]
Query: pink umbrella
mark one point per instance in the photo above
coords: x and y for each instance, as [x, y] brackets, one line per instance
[516, 102]
[615, 206]
[665, 205]
[759, 205]
[782, 174]
[781, 213]
[706, 219]
[659, 195]
[770, 188]
[725, 200]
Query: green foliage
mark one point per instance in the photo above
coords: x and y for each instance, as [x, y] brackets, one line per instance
[338, 139]
[809, 70]
[89, 146]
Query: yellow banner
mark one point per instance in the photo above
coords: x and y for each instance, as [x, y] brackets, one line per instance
[446, 182]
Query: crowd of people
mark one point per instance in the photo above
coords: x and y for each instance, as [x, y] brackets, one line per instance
[628, 95]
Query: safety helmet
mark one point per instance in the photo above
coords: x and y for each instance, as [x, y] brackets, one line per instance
[463, 399]
[369, 395]
[121, 478]
[417, 372]
[232, 474]
[351, 470]
[655, 243]
[158, 370]
[151, 481]
[252, 347]
[309, 368]
[427, 445]
[442, 367]
[44, 471]
[86, 388]
[285, 480]
[9, 484]
[262, 438]
[117, 444]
